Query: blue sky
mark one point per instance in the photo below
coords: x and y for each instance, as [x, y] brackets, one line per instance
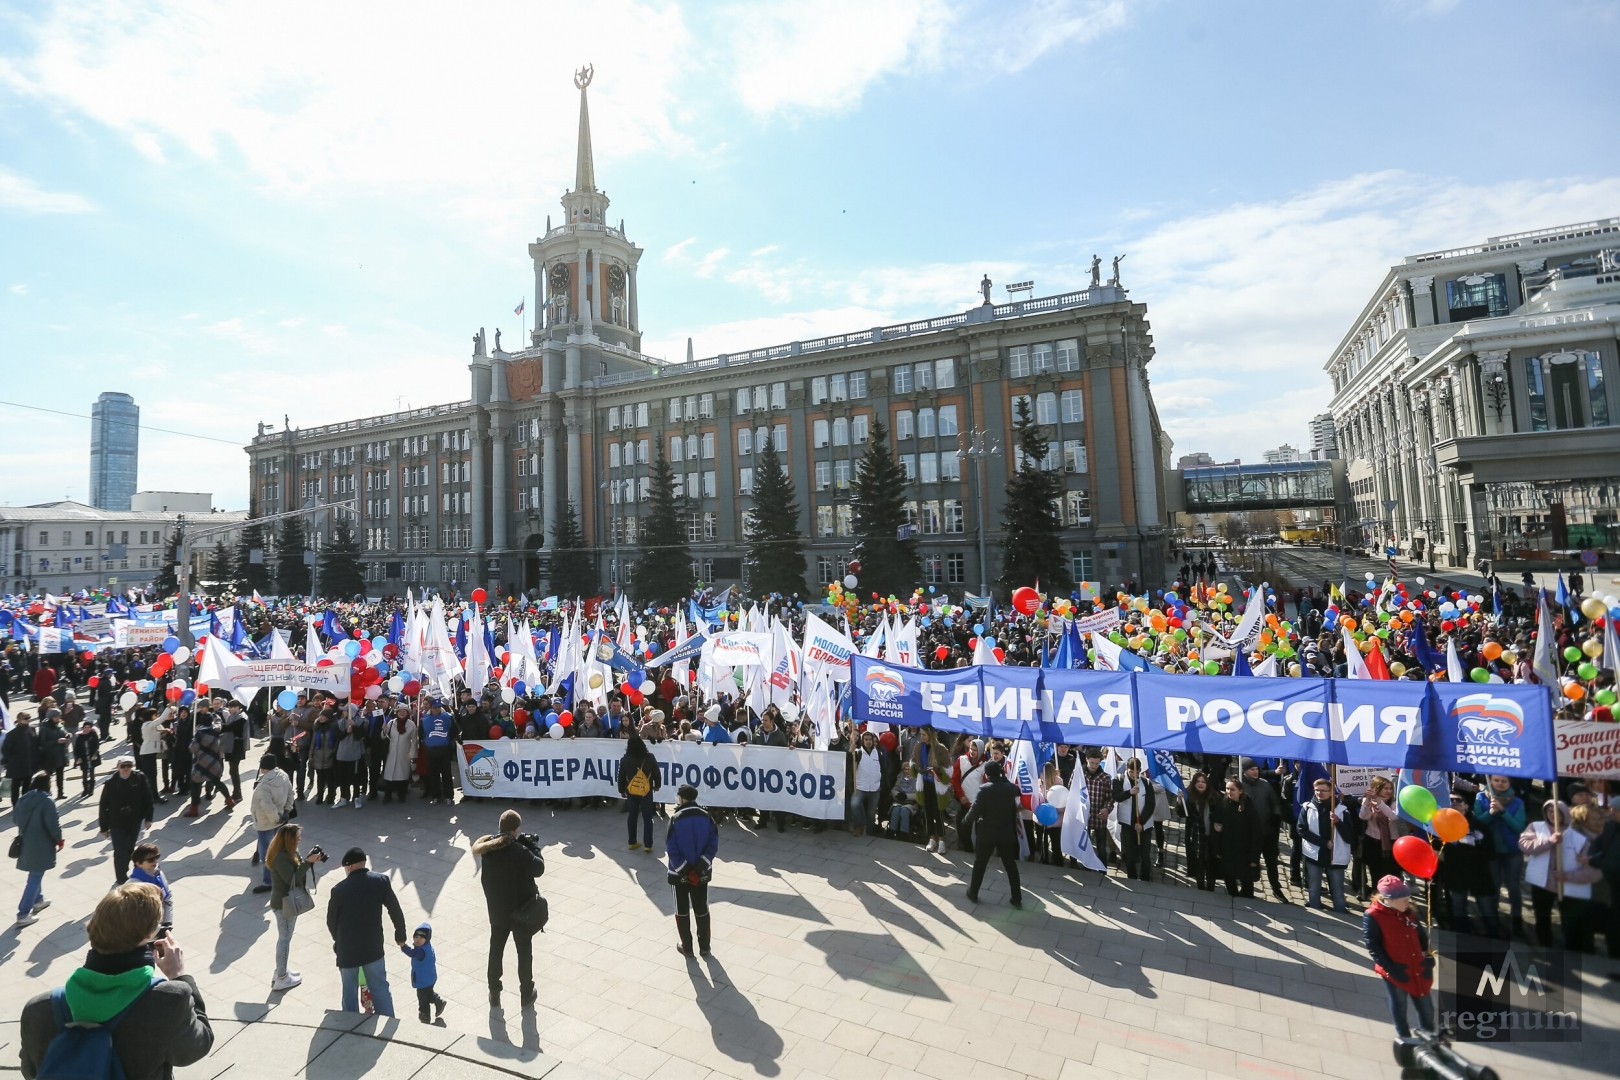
[235, 212]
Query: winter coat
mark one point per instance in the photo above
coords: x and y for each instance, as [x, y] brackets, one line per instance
[323, 742]
[424, 964]
[1314, 833]
[126, 802]
[400, 766]
[1399, 945]
[510, 863]
[1502, 829]
[87, 748]
[272, 800]
[285, 873]
[53, 746]
[40, 829]
[1536, 842]
[20, 751]
[1128, 793]
[1239, 840]
[994, 815]
[691, 844]
[207, 763]
[354, 910]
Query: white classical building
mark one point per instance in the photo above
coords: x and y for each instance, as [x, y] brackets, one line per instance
[1475, 396]
[62, 547]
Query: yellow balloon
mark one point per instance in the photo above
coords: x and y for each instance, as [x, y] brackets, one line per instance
[1220, 586]
[596, 680]
[1293, 671]
[1592, 607]
[1397, 669]
[1510, 658]
[1592, 647]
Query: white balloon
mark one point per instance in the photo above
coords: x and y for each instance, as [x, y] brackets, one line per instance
[850, 581]
[557, 731]
[128, 700]
[396, 684]
[181, 655]
[1058, 797]
[373, 692]
[179, 683]
[648, 686]
[373, 658]
[508, 695]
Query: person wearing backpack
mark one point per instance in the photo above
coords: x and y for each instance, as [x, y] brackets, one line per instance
[142, 1014]
[39, 832]
[638, 780]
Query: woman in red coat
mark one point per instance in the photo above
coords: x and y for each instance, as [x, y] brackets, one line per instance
[1399, 946]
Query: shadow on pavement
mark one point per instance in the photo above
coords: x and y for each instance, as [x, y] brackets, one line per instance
[737, 1030]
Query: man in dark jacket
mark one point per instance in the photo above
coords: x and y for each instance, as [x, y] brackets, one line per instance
[511, 861]
[1268, 814]
[162, 1022]
[691, 846]
[994, 820]
[771, 734]
[354, 918]
[125, 811]
[21, 755]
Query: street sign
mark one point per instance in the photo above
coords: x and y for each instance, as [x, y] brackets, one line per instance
[1589, 558]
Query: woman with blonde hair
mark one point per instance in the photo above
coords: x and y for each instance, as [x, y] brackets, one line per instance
[288, 870]
[1381, 818]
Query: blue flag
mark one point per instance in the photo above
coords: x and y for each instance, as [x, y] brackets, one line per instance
[1310, 772]
[1162, 771]
[396, 630]
[1420, 649]
[238, 634]
[1240, 662]
[461, 637]
[332, 627]
[1562, 595]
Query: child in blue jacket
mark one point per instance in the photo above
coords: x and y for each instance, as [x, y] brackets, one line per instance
[424, 972]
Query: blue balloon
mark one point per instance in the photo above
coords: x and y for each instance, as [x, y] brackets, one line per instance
[171, 643]
[188, 696]
[978, 628]
[989, 642]
[287, 699]
[379, 643]
[351, 648]
[1046, 815]
[930, 588]
[653, 649]
[948, 623]
[520, 688]
[551, 718]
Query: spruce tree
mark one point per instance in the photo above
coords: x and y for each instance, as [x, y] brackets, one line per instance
[664, 571]
[164, 582]
[252, 575]
[1032, 530]
[221, 569]
[342, 572]
[573, 571]
[774, 558]
[889, 565]
[292, 576]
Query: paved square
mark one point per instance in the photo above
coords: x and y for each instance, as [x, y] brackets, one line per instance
[833, 957]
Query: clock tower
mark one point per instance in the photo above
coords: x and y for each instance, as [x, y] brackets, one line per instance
[585, 268]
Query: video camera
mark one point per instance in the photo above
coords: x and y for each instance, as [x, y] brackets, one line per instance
[1432, 1058]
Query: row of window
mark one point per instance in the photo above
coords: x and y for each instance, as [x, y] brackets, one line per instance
[929, 422]
[1043, 359]
[923, 375]
[754, 399]
[1047, 407]
[846, 386]
[154, 536]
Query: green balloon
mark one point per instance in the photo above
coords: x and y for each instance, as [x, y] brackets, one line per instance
[1383, 633]
[1572, 654]
[1180, 634]
[1091, 654]
[1480, 675]
[1607, 697]
[1211, 667]
[1587, 672]
[1286, 652]
[1418, 802]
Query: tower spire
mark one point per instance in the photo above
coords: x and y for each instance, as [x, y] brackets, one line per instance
[584, 166]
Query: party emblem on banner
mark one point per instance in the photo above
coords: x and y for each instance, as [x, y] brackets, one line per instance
[1488, 728]
[480, 765]
[885, 685]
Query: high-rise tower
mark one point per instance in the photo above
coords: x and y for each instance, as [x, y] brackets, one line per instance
[115, 427]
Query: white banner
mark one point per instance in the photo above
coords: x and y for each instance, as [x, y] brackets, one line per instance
[1100, 623]
[332, 679]
[1587, 748]
[1356, 779]
[99, 627]
[809, 783]
[737, 649]
[127, 635]
[826, 650]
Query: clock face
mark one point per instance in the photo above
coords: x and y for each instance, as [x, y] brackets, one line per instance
[559, 278]
[615, 278]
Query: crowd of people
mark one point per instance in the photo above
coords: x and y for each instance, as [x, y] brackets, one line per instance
[1207, 820]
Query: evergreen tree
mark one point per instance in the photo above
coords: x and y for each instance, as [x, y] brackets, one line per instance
[774, 559]
[221, 567]
[292, 576]
[889, 565]
[664, 571]
[342, 573]
[253, 575]
[165, 583]
[1032, 530]
[573, 571]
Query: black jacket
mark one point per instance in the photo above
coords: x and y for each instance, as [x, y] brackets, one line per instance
[20, 751]
[125, 802]
[354, 911]
[510, 865]
[628, 766]
[994, 816]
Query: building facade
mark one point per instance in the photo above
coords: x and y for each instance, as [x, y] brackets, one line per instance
[62, 547]
[1476, 396]
[1324, 438]
[115, 442]
[471, 492]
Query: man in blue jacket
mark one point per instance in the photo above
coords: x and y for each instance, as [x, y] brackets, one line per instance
[691, 846]
[354, 918]
[438, 738]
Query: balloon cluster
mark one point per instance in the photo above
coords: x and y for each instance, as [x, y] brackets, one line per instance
[1415, 854]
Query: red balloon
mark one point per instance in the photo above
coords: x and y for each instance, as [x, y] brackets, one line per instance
[357, 665]
[173, 693]
[1026, 600]
[888, 741]
[479, 596]
[161, 665]
[1416, 857]
[95, 681]
[87, 656]
[973, 643]
[941, 652]
[520, 717]
[496, 731]
[325, 661]
[999, 653]
[635, 698]
[565, 718]
[390, 651]
[626, 689]
[411, 689]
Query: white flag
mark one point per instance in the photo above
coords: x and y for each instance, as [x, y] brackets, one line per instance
[1075, 839]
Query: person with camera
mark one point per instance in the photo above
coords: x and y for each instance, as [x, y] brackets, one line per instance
[288, 871]
[133, 981]
[510, 862]
[691, 846]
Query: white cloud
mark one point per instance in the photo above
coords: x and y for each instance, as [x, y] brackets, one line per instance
[20, 193]
[710, 263]
[18, 289]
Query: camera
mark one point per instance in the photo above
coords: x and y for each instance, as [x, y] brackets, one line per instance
[319, 852]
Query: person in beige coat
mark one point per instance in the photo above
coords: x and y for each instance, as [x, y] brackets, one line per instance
[403, 737]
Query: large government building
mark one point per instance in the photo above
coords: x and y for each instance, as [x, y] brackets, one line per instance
[1477, 396]
[470, 492]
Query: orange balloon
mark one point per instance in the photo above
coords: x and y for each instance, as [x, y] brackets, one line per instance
[1575, 691]
[1449, 825]
[1492, 650]
[1406, 617]
[1348, 624]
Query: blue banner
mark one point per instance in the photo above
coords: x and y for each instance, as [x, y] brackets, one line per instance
[1446, 727]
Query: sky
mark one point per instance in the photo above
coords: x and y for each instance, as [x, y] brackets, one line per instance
[242, 212]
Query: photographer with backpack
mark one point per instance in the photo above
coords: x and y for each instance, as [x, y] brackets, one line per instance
[131, 1004]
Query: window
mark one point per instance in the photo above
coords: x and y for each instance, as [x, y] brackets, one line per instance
[89, 539]
[711, 529]
[745, 442]
[818, 390]
[840, 431]
[613, 418]
[641, 416]
[745, 481]
[613, 455]
[1074, 455]
[924, 373]
[944, 374]
[908, 466]
[947, 420]
[1477, 296]
[953, 516]
[1046, 408]
[928, 513]
[901, 383]
[692, 488]
[1068, 355]
[824, 569]
[708, 444]
[925, 423]
[955, 568]
[950, 468]
[846, 520]
[123, 537]
[824, 521]
[933, 569]
[641, 452]
[1041, 358]
[778, 395]
[928, 471]
[689, 411]
[1082, 566]
[742, 400]
[841, 475]
[43, 541]
[708, 484]
[675, 445]
[691, 448]
[1018, 362]
[819, 433]
[645, 490]
[761, 437]
[823, 475]
[857, 429]
[1077, 508]
[1072, 407]
[902, 424]
[1022, 404]
[779, 438]
[705, 405]
[857, 385]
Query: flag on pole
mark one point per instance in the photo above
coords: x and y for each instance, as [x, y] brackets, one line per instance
[1075, 837]
[519, 309]
[1542, 661]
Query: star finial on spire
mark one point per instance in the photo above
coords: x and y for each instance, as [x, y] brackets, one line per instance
[582, 77]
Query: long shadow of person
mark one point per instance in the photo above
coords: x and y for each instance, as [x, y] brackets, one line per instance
[241, 925]
[736, 1028]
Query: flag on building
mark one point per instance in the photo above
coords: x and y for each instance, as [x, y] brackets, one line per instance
[519, 309]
